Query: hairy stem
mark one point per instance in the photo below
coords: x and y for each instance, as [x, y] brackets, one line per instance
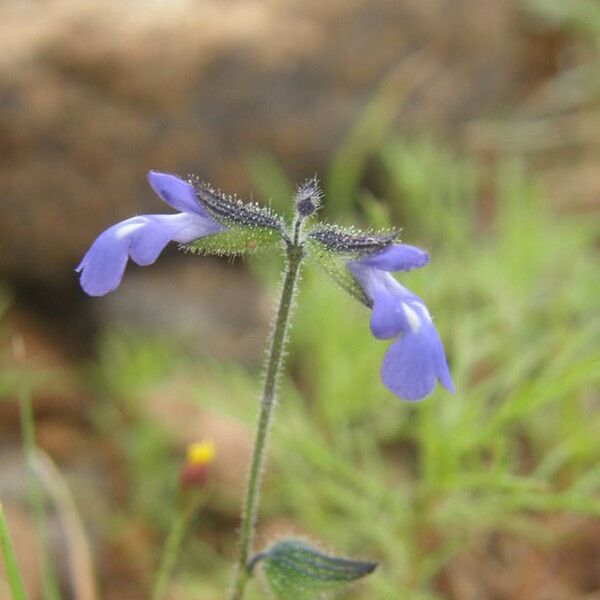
[294, 258]
[172, 546]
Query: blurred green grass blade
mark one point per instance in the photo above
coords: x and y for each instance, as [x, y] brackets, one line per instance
[432, 188]
[271, 182]
[37, 500]
[372, 128]
[15, 581]
[588, 484]
[378, 214]
[541, 391]
[577, 16]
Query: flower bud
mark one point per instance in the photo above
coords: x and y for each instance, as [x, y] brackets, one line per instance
[197, 465]
[308, 198]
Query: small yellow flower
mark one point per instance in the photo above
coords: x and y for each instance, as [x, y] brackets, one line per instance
[201, 453]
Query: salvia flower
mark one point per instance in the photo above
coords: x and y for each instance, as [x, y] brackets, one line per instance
[362, 264]
[207, 222]
[416, 360]
[144, 237]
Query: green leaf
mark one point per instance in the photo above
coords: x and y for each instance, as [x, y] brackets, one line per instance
[297, 571]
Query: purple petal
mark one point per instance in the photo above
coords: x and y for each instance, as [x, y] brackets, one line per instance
[389, 316]
[158, 230]
[398, 257]
[176, 192]
[103, 265]
[387, 319]
[414, 362]
[143, 238]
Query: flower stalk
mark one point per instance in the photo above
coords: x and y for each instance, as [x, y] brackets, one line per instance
[295, 254]
[173, 544]
[192, 479]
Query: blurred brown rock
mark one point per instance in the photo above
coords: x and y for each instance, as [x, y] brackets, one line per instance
[93, 94]
[33, 363]
[207, 308]
[506, 566]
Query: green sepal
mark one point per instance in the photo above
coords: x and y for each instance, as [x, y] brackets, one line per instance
[335, 266]
[247, 226]
[351, 241]
[237, 240]
[231, 212]
[295, 570]
[331, 247]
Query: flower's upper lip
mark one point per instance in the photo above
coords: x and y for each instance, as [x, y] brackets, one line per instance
[176, 192]
[396, 257]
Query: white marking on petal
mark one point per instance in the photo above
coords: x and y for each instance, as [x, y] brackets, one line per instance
[126, 230]
[412, 317]
[423, 310]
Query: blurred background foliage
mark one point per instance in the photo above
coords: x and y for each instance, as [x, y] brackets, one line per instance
[491, 493]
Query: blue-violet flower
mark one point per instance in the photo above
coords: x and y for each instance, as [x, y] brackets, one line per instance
[144, 237]
[416, 359]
